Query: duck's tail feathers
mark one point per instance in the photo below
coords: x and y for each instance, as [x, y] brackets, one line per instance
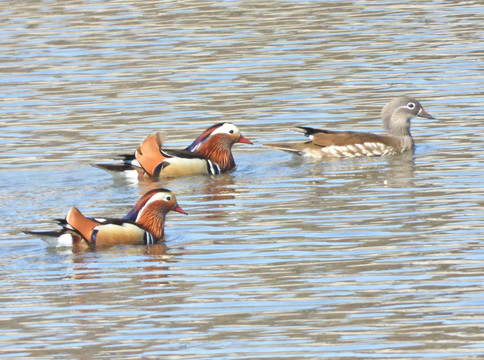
[291, 148]
[129, 162]
[115, 167]
[51, 233]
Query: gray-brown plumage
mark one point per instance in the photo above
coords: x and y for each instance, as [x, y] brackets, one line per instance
[396, 116]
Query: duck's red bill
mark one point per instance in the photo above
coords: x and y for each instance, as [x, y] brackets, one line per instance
[180, 210]
[242, 139]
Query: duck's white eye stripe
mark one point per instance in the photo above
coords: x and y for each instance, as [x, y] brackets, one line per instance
[155, 197]
[226, 128]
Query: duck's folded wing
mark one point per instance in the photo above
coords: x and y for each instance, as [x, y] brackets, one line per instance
[110, 234]
[171, 162]
[325, 138]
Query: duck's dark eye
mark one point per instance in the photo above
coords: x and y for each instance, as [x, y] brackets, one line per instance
[411, 105]
[168, 198]
[231, 131]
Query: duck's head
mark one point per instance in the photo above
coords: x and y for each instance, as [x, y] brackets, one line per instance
[159, 201]
[218, 134]
[398, 113]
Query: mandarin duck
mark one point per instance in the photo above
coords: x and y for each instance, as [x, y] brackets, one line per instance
[144, 224]
[396, 116]
[210, 153]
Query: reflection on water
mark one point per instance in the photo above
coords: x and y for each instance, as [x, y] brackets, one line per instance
[282, 258]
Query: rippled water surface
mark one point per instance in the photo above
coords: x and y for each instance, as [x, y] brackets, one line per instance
[284, 258]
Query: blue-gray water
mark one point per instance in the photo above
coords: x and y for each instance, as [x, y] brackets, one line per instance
[283, 258]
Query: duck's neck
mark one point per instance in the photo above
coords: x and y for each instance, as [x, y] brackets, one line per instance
[400, 129]
[153, 222]
[399, 126]
[218, 151]
[407, 142]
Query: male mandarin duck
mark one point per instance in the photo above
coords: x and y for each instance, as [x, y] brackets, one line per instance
[144, 224]
[210, 153]
[396, 116]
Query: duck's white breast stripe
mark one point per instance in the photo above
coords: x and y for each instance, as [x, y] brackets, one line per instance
[213, 168]
[149, 239]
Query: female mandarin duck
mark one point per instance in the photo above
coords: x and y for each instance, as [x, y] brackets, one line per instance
[396, 116]
[144, 224]
[210, 153]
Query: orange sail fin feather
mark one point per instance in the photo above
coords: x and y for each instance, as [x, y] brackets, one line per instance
[81, 224]
[149, 155]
